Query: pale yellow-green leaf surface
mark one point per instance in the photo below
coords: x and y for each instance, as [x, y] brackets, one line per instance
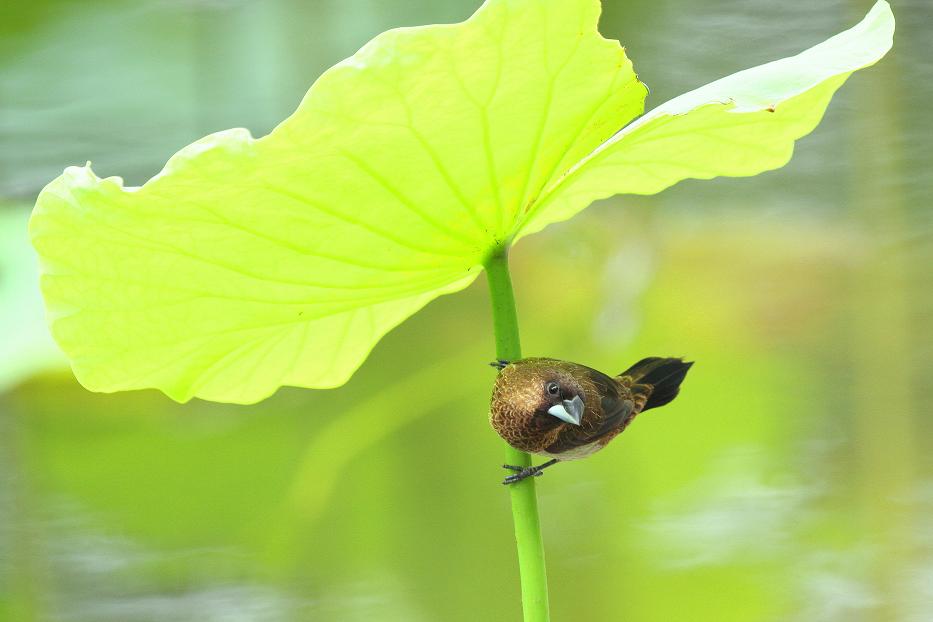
[740, 125]
[248, 264]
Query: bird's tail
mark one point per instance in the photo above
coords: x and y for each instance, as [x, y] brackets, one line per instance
[663, 374]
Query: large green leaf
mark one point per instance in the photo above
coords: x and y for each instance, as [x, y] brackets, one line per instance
[248, 263]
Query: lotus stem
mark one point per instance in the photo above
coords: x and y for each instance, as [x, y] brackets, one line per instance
[524, 499]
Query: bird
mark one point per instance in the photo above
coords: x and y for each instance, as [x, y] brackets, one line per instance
[567, 411]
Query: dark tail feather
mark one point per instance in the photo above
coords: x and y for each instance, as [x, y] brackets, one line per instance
[663, 374]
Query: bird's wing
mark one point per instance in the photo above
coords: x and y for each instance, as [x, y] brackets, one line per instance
[616, 409]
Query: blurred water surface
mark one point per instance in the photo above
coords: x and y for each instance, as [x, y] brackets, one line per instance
[792, 480]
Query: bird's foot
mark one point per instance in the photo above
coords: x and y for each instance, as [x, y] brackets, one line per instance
[520, 473]
[499, 363]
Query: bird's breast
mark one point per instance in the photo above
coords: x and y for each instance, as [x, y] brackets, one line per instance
[577, 453]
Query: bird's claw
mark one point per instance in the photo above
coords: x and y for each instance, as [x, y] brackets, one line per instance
[520, 473]
[499, 363]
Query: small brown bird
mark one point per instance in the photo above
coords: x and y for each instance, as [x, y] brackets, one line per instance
[568, 411]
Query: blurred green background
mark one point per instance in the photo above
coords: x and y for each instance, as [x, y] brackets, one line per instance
[792, 480]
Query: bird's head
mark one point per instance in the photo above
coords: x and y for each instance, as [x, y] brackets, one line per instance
[540, 391]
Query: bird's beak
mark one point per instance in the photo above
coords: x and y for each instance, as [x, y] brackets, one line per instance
[570, 411]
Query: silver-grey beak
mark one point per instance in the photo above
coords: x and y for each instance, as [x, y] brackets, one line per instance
[570, 411]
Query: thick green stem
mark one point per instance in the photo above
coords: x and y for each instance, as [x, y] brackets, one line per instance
[524, 500]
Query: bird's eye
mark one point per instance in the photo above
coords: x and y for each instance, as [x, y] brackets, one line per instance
[552, 388]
